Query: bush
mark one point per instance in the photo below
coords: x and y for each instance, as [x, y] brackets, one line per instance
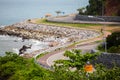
[113, 39]
[15, 67]
[113, 43]
[114, 49]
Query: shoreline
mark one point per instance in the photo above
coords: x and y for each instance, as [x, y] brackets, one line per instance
[55, 35]
[14, 44]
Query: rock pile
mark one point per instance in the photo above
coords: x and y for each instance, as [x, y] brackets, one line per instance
[47, 33]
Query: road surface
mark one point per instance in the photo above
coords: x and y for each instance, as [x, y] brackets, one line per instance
[84, 48]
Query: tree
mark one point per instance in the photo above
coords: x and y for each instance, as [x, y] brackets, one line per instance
[76, 59]
[58, 12]
[114, 49]
[15, 67]
[95, 7]
[81, 10]
[113, 42]
[113, 39]
[63, 71]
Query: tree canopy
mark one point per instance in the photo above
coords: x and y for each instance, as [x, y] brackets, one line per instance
[95, 7]
[113, 42]
[101, 7]
[76, 59]
[15, 67]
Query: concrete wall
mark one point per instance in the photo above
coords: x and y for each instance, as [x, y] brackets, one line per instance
[106, 18]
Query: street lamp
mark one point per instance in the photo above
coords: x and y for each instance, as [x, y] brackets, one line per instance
[103, 28]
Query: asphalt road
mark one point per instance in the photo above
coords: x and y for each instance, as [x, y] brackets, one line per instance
[84, 48]
[48, 59]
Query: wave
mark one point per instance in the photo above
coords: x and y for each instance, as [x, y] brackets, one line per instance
[6, 37]
[15, 43]
[38, 43]
[2, 26]
[15, 50]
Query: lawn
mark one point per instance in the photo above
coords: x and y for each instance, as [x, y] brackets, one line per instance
[77, 25]
[44, 21]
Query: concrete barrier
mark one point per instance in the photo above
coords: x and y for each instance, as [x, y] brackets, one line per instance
[106, 18]
[110, 20]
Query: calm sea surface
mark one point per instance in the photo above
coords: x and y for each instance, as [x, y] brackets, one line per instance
[12, 11]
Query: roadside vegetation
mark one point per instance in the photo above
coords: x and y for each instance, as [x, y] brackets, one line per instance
[41, 54]
[14, 67]
[113, 43]
[95, 7]
[101, 7]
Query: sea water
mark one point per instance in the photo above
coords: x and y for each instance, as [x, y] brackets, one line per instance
[13, 44]
[12, 11]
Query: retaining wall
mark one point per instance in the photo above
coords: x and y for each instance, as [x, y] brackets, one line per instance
[106, 18]
[108, 59]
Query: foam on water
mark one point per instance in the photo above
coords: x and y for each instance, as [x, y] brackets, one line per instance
[2, 26]
[6, 37]
[37, 45]
[13, 44]
[15, 50]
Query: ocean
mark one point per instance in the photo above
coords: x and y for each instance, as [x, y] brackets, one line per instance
[13, 11]
[13, 44]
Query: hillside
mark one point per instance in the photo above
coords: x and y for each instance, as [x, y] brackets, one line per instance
[112, 8]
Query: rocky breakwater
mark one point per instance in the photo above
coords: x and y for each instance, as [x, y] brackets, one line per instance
[53, 34]
[22, 32]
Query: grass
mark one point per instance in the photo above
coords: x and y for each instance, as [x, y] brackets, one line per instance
[44, 21]
[96, 26]
[42, 54]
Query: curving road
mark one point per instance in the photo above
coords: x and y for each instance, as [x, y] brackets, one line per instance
[86, 45]
[85, 48]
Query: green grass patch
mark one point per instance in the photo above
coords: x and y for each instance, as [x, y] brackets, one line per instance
[42, 54]
[81, 25]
